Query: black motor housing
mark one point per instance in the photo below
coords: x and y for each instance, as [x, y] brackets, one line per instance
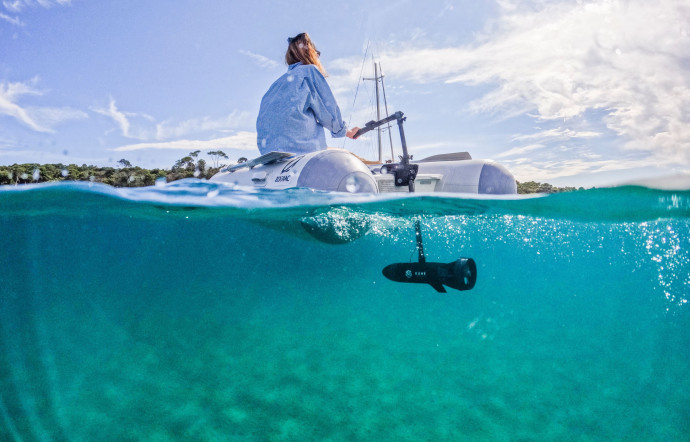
[460, 274]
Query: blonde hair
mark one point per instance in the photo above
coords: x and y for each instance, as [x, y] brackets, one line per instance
[302, 49]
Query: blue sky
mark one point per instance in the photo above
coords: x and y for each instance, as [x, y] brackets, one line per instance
[570, 92]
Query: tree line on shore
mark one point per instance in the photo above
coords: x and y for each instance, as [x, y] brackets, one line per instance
[189, 166]
[125, 175]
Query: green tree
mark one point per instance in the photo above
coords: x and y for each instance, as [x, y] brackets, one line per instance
[535, 187]
[216, 156]
[183, 163]
[201, 165]
[187, 162]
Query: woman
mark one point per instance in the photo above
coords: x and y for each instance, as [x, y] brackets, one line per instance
[299, 105]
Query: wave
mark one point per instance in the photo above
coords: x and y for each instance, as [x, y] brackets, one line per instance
[199, 197]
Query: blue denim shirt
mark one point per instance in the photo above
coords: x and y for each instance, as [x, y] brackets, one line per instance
[295, 111]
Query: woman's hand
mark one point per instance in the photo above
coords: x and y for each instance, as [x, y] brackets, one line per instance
[351, 133]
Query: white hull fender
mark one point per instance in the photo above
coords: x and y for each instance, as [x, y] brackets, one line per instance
[331, 170]
[469, 176]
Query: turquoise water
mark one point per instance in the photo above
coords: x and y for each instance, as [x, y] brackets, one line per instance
[194, 311]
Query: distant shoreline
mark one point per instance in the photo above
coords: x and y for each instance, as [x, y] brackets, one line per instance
[134, 176]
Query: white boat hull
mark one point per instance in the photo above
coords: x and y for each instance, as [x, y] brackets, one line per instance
[340, 171]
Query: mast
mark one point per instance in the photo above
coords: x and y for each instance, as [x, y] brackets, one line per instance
[385, 103]
[378, 110]
[376, 79]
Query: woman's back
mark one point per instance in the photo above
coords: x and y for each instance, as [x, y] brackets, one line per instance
[299, 105]
[295, 111]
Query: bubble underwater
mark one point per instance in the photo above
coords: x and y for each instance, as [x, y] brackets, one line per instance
[201, 311]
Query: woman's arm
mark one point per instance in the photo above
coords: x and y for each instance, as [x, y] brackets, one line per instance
[323, 104]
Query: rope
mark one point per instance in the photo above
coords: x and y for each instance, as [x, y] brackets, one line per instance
[361, 70]
[359, 80]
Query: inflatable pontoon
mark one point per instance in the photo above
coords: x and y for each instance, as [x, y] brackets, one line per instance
[340, 171]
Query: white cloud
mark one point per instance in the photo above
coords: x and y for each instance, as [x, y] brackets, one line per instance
[239, 141]
[526, 169]
[9, 95]
[627, 61]
[560, 133]
[136, 125]
[39, 119]
[520, 150]
[52, 116]
[14, 6]
[430, 146]
[234, 120]
[143, 127]
[261, 60]
[12, 20]
[118, 116]
[344, 72]
[17, 7]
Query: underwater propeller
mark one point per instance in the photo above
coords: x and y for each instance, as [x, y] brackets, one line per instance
[460, 274]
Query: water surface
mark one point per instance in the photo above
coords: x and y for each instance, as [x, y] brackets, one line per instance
[198, 311]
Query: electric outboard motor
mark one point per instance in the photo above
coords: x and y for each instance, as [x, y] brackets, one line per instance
[459, 275]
